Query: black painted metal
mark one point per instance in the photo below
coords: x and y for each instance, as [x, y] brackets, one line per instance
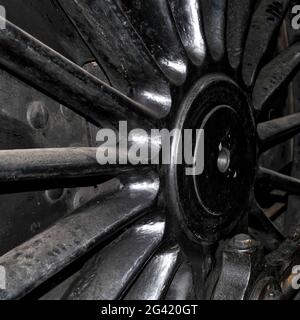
[60, 78]
[38, 17]
[238, 17]
[265, 22]
[188, 19]
[275, 75]
[142, 57]
[274, 132]
[156, 277]
[159, 34]
[274, 180]
[214, 19]
[110, 272]
[182, 287]
[217, 105]
[35, 261]
[119, 49]
[40, 168]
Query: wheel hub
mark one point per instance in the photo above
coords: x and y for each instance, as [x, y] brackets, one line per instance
[210, 205]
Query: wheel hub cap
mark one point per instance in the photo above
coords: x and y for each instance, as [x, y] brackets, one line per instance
[210, 205]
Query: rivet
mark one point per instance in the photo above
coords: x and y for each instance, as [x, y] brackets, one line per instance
[67, 113]
[37, 115]
[35, 227]
[54, 194]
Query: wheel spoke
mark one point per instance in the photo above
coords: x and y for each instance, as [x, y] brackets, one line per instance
[162, 41]
[35, 261]
[265, 22]
[63, 80]
[41, 169]
[110, 272]
[274, 180]
[263, 228]
[155, 279]
[182, 286]
[120, 51]
[188, 20]
[214, 13]
[274, 132]
[274, 75]
[238, 16]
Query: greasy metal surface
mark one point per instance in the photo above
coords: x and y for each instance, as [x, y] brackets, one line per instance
[159, 34]
[274, 132]
[121, 52]
[20, 107]
[32, 168]
[35, 261]
[188, 20]
[131, 69]
[182, 286]
[214, 19]
[156, 277]
[239, 268]
[111, 271]
[63, 80]
[238, 17]
[44, 20]
[276, 74]
[264, 24]
[199, 218]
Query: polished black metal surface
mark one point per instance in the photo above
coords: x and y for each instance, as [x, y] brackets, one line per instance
[264, 24]
[155, 279]
[159, 34]
[188, 20]
[218, 106]
[41, 257]
[119, 49]
[214, 17]
[71, 85]
[238, 17]
[222, 66]
[111, 263]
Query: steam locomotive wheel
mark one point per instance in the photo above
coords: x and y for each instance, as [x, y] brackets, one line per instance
[154, 232]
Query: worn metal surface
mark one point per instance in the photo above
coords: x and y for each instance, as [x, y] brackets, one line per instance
[274, 132]
[65, 81]
[39, 17]
[214, 19]
[159, 34]
[121, 52]
[238, 17]
[275, 180]
[111, 272]
[198, 214]
[182, 287]
[140, 55]
[265, 23]
[276, 74]
[40, 168]
[35, 261]
[156, 277]
[188, 20]
[241, 262]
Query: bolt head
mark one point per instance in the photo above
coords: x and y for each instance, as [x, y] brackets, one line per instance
[242, 242]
